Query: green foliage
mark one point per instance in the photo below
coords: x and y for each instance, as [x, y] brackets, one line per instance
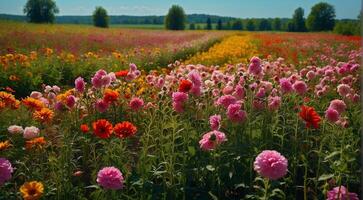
[100, 17]
[175, 19]
[276, 24]
[209, 24]
[192, 26]
[250, 25]
[237, 25]
[321, 17]
[347, 27]
[219, 25]
[298, 21]
[265, 25]
[40, 11]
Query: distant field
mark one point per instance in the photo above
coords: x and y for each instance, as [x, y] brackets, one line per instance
[138, 26]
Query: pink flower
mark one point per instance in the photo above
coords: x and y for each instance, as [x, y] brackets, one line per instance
[136, 104]
[239, 92]
[56, 89]
[271, 164]
[226, 100]
[110, 178]
[71, 101]
[211, 140]
[310, 75]
[31, 132]
[261, 93]
[227, 90]
[338, 105]
[79, 84]
[195, 78]
[255, 66]
[300, 87]
[235, 114]
[341, 193]
[101, 105]
[332, 115]
[5, 170]
[285, 85]
[178, 100]
[101, 78]
[274, 102]
[215, 122]
[14, 129]
[36, 95]
[343, 89]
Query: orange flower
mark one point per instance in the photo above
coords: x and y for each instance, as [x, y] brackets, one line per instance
[33, 104]
[32, 190]
[13, 78]
[2, 104]
[121, 73]
[7, 98]
[84, 128]
[5, 145]
[110, 95]
[38, 142]
[310, 116]
[124, 129]
[102, 128]
[44, 115]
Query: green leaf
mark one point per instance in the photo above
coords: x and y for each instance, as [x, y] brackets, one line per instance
[214, 197]
[332, 155]
[191, 150]
[325, 177]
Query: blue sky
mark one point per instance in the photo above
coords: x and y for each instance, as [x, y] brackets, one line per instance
[233, 8]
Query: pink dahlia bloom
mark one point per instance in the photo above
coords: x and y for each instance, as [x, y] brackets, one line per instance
[235, 114]
[274, 102]
[332, 115]
[300, 87]
[239, 92]
[178, 100]
[110, 178]
[31, 132]
[14, 129]
[261, 93]
[226, 100]
[310, 75]
[101, 105]
[5, 170]
[136, 103]
[338, 105]
[271, 164]
[71, 101]
[80, 84]
[211, 140]
[255, 67]
[215, 122]
[285, 85]
[36, 95]
[343, 89]
[341, 193]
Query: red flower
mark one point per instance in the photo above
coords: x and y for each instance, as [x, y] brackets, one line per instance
[310, 116]
[110, 95]
[102, 128]
[84, 128]
[185, 86]
[121, 73]
[124, 129]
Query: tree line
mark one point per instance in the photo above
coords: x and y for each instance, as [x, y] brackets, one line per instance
[320, 18]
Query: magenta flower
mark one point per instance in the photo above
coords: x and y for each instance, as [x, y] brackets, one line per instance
[226, 100]
[110, 178]
[300, 87]
[178, 100]
[255, 66]
[5, 170]
[211, 140]
[71, 101]
[215, 122]
[285, 85]
[274, 102]
[271, 164]
[341, 193]
[79, 84]
[136, 103]
[101, 105]
[235, 114]
[332, 115]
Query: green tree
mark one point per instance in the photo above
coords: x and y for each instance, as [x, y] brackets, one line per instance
[219, 24]
[209, 24]
[228, 25]
[321, 17]
[100, 17]
[237, 25]
[277, 24]
[175, 19]
[192, 26]
[41, 11]
[250, 25]
[298, 20]
[265, 25]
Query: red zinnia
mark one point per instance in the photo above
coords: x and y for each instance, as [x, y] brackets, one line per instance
[310, 116]
[102, 128]
[84, 128]
[185, 86]
[124, 129]
[121, 73]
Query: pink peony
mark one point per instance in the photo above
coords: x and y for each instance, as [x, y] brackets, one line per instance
[343, 90]
[338, 105]
[332, 115]
[300, 87]
[31, 132]
[226, 100]
[79, 84]
[101, 105]
[261, 93]
[5, 170]
[178, 100]
[271, 164]
[14, 129]
[215, 122]
[255, 66]
[239, 92]
[285, 85]
[274, 102]
[71, 101]
[310, 75]
[136, 103]
[235, 114]
[36, 95]
[341, 193]
[110, 178]
[211, 140]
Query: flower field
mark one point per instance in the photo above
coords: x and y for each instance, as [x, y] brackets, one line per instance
[247, 116]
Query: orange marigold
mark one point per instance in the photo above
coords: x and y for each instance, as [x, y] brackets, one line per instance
[102, 128]
[5, 145]
[33, 104]
[124, 129]
[38, 143]
[43, 115]
[110, 95]
[7, 98]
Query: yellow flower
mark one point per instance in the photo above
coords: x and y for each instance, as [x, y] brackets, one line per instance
[32, 190]
[5, 145]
